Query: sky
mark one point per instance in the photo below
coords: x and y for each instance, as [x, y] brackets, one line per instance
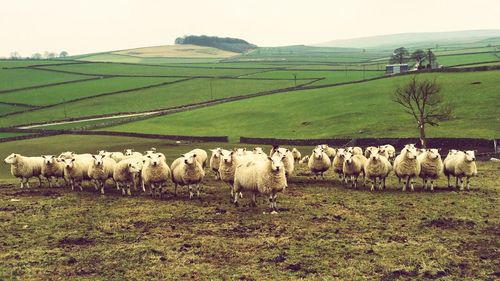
[87, 26]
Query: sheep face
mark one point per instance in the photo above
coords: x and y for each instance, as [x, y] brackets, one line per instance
[433, 153]
[227, 156]
[240, 151]
[258, 150]
[69, 163]
[318, 153]
[155, 159]
[348, 157]
[129, 152]
[189, 159]
[11, 159]
[375, 157]
[216, 152]
[276, 163]
[411, 152]
[381, 150]
[470, 156]
[48, 159]
[98, 160]
[102, 152]
[134, 168]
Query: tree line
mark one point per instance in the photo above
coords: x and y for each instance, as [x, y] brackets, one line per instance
[402, 55]
[224, 43]
[38, 56]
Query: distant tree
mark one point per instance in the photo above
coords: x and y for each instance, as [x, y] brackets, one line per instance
[63, 54]
[422, 100]
[49, 55]
[400, 55]
[36, 56]
[430, 58]
[418, 56]
[15, 55]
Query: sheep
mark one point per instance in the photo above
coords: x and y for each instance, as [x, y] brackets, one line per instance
[76, 171]
[100, 170]
[52, 168]
[273, 150]
[338, 163]
[368, 151]
[353, 166]
[431, 167]
[391, 151]
[288, 160]
[155, 172]
[73, 155]
[261, 177]
[131, 153]
[406, 166]
[296, 154]
[24, 168]
[150, 151]
[215, 161]
[464, 165]
[126, 173]
[449, 169]
[383, 152]
[187, 170]
[201, 156]
[330, 151]
[258, 150]
[305, 159]
[377, 167]
[227, 166]
[355, 150]
[319, 162]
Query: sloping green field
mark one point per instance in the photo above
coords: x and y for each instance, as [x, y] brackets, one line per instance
[21, 78]
[358, 110]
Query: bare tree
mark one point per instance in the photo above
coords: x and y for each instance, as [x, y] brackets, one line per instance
[63, 54]
[15, 55]
[422, 100]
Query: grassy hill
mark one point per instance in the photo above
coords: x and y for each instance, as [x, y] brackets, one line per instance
[455, 39]
[357, 110]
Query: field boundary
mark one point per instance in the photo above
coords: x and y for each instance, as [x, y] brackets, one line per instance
[49, 85]
[45, 133]
[480, 144]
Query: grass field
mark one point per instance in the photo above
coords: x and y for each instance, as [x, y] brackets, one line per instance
[322, 231]
[466, 59]
[358, 110]
[5, 109]
[138, 70]
[177, 51]
[7, 134]
[21, 78]
[24, 63]
[68, 92]
[178, 94]
[329, 77]
[110, 57]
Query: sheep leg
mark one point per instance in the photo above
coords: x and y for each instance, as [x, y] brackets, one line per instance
[254, 200]
[96, 184]
[198, 190]
[123, 190]
[468, 183]
[39, 181]
[374, 181]
[102, 187]
[175, 189]
[424, 183]
[354, 181]
[448, 176]
[190, 191]
[143, 187]
[235, 199]
[128, 190]
[22, 182]
[117, 186]
[379, 183]
[461, 184]
[432, 185]
[384, 182]
[273, 204]
[456, 182]
[409, 182]
[49, 180]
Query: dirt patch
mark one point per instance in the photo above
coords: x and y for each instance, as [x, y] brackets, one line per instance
[450, 223]
[36, 192]
[75, 241]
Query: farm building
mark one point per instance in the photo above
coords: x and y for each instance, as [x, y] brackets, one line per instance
[396, 68]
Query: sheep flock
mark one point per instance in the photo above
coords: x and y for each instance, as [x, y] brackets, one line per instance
[245, 171]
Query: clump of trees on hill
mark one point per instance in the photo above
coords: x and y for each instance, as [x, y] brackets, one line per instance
[401, 55]
[226, 43]
[38, 56]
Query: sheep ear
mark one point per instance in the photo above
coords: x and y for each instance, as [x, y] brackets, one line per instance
[93, 156]
[73, 160]
[269, 158]
[183, 155]
[244, 149]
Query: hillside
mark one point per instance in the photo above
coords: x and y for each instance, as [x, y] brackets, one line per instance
[180, 51]
[228, 44]
[350, 111]
[421, 40]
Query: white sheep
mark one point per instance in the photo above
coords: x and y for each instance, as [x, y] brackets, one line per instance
[355, 150]
[101, 170]
[126, 173]
[338, 163]
[227, 166]
[353, 167]
[382, 150]
[431, 166]
[129, 152]
[296, 154]
[319, 162]
[377, 167]
[186, 170]
[155, 172]
[258, 150]
[305, 159]
[215, 161]
[52, 168]
[330, 151]
[24, 168]
[464, 164]
[76, 171]
[73, 155]
[201, 156]
[288, 160]
[368, 151]
[391, 151]
[406, 166]
[449, 168]
[261, 177]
